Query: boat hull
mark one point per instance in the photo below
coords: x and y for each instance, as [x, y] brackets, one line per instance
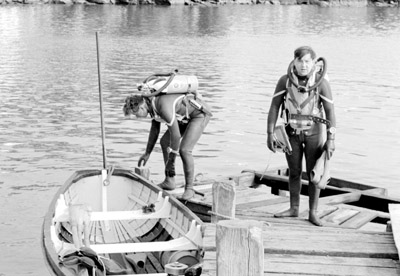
[132, 221]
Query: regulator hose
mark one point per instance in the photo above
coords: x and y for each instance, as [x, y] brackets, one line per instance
[316, 84]
[154, 76]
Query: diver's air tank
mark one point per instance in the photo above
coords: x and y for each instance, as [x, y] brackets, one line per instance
[179, 84]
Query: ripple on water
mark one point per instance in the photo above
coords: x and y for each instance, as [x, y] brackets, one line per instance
[50, 115]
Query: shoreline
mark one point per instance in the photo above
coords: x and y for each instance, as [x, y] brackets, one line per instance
[321, 3]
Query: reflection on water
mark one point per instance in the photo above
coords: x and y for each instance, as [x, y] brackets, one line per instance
[50, 119]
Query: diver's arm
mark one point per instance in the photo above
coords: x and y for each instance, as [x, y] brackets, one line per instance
[152, 140]
[273, 113]
[277, 100]
[327, 102]
[153, 136]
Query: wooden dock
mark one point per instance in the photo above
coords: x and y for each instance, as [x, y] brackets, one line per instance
[310, 250]
[348, 244]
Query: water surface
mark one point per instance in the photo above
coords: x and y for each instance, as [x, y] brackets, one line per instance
[50, 119]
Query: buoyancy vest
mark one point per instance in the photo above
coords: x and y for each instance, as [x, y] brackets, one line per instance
[302, 108]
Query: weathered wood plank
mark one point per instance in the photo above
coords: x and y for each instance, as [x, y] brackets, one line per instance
[276, 208]
[239, 246]
[278, 264]
[379, 213]
[323, 210]
[245, 179]
[243, 197]
[261, 203]
[317, 241]
[339, 216]
[267, 217]
[359, 220]
[343, 198]
[394, 210]
[224, 200]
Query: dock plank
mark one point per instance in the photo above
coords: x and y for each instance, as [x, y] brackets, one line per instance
[340, 216]
[279, 207]
[293, 246]
[261, 203]
[301, 221]
[319, 242]
[287, 264]
[359, 220]
[394, 210]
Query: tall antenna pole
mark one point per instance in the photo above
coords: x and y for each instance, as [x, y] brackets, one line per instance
[103, 138]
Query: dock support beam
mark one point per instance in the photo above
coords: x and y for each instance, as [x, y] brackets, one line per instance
[239, 248]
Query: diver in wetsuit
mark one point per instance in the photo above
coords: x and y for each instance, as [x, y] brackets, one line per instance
[304, 109]
[186, 117]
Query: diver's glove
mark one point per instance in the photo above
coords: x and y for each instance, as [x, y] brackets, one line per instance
[170, 165]
[143, 159]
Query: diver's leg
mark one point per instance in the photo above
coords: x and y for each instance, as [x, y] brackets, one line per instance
[294, 162]
[169, 181]
[313, 150]
[191, 136]
[164, 142]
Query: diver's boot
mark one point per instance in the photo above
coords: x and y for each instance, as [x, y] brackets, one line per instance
[188, 194]
[189, 178]
[168, 184]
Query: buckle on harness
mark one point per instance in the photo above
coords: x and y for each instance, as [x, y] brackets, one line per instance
[302, 89]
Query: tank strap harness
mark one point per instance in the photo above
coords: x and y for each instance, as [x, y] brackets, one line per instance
[172, 83]
[296, 119]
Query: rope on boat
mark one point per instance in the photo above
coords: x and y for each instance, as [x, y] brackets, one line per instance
[268, 163]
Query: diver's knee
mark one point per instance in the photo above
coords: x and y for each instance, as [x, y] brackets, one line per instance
[185, 152]
[294, 178]
[295, 171]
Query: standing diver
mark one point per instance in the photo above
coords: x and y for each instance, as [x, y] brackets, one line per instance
[171, 99]
[306, 99]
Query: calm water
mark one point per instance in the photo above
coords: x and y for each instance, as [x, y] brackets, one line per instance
[49, 108]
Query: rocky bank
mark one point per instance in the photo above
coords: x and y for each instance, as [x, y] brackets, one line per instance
[321, 3]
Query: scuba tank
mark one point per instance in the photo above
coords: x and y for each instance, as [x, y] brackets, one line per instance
[179, 84]
[170, 83]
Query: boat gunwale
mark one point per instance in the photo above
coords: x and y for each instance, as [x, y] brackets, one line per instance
[334, 182]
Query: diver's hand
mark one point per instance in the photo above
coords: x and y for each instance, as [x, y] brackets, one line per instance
[271, 142]
[143, 159]
[330, 148]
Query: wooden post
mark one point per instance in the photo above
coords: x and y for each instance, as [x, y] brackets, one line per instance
[144, 172]
[224, 201]
[240, 248]
[245, 179]
[394, 211]
[389, 228]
